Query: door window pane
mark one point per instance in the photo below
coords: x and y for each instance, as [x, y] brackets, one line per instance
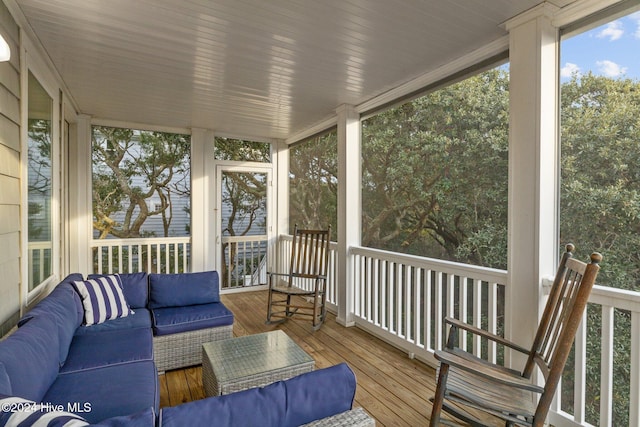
[244, 228]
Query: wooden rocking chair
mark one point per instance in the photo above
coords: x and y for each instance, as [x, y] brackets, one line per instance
[307, 278]
[465, 381]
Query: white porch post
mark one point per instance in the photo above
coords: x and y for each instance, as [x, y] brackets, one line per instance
[533, 169]
[349, 206]
[203, 244]
[80, 200]
[280, 203]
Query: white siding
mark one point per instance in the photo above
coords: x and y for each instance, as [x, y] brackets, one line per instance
[9, 176]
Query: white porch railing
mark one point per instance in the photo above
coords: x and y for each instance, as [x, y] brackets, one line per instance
[153, 255]
[244, 261]
[612, 305]
[403, 299]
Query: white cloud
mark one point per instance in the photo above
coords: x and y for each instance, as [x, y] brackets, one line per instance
[569, 70]
[610, 68]
[635, 17]
[613, 31]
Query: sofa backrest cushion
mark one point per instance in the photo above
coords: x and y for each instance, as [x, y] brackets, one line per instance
[135, 287]
[300, 400]
[102, 299]
[30, 356]
[63, 303]
[176, 290]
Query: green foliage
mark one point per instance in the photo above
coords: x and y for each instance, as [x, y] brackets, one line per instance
[600, 155]
[435, 173]
[313, 182]
[240, 150]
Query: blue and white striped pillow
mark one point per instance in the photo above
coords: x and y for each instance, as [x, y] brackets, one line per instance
[16, 411]
[102, 299]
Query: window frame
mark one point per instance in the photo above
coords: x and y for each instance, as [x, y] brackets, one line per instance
[35, 65]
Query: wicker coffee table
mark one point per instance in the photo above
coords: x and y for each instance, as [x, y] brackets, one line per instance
[240, 363]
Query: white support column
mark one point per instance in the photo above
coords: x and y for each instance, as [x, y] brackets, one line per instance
[203, 244]
[80, 200]
[349, 206]
[281, 201]
[533, 169]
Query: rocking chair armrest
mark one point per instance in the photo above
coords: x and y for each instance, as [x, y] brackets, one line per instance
[271, 273]
[486, 334]
[311, 276]
[495, 374]
[302, 276]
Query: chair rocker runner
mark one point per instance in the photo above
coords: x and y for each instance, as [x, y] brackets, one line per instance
[465, 381]
[307, 278]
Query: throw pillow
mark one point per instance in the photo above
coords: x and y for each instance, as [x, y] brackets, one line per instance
[102, 299]
[19, 411]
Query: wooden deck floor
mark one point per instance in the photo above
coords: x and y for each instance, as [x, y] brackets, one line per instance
[391, 387]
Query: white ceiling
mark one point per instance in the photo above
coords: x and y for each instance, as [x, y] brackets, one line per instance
[264, 68]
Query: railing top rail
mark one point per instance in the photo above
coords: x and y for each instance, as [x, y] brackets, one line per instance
[618, 298]
[139, 241]
[491, 275]
[40, 245]
[256, 238]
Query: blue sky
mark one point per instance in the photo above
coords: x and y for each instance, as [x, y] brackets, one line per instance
[611, 50]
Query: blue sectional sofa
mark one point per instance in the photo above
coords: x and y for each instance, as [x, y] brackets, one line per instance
[106, 372]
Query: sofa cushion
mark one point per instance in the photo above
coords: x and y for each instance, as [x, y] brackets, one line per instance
[90, 351]
[17, 411]
[112, 391]
[172, 320]
[63, 303]
[102, 299]
[146, 418]
[300, 400]
[5, 384]
[177, 290]
[135, 287]
[31, 357]
[139, 319]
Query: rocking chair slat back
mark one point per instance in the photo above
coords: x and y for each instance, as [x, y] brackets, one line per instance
[310, 254]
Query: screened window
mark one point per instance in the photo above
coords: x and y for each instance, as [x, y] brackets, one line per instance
[600, 187]
[141, 183]
[600, 131]
[241, 150]
[435, 173]
[313, 182]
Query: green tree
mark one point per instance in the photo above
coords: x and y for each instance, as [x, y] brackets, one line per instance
[600, 211]
[601, 173]
[130, 167]
[435, 173]
[313, 182]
